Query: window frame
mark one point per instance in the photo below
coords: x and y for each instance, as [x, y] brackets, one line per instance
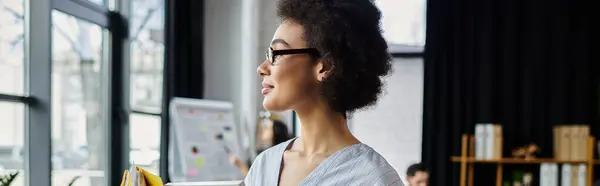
[37, 98]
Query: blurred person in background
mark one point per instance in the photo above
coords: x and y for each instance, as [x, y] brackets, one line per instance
[270, 133]
[417, 175]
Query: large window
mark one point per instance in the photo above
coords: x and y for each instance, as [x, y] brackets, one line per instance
[146, 75]
[12, 81]
[79, 118]
[145, 141]
[147, 54]
[66, 83]
[11, 140]
[11, 46]
[403, 21]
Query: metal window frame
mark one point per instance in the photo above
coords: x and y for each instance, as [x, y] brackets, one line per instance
[118, 138]
[38, 119]
[38, 69]
[408, 55]
[140, 112]
[16, 99]
[406, 51]
[85, 10]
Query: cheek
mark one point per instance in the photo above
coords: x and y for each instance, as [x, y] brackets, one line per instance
[292, 83]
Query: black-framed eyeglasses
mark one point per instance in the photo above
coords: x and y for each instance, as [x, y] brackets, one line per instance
[271, 54]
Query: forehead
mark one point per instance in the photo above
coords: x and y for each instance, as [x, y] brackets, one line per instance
[421, 174]
[290, 32]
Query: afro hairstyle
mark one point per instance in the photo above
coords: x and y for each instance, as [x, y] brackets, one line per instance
[348, 36]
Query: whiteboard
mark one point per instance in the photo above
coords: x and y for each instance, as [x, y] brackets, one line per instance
[203, 133]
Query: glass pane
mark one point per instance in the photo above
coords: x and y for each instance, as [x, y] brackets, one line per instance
[145, 141]
[147, 54]
[79, 133]
[11, 46]
[403, 21]
[11, 141]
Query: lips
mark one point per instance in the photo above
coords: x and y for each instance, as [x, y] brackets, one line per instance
[266, 88]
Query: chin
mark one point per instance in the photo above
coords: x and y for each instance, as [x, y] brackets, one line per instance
[273, 105]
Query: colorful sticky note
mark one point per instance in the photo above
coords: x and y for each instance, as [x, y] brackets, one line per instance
[203, 129]
[220, 116]
[192, 172]
[194, 150]
[199, 162]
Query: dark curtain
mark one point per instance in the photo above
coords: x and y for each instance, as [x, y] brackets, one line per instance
[184, 59]
[525, 64]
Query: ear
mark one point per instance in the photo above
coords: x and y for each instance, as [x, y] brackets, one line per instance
[323, 69]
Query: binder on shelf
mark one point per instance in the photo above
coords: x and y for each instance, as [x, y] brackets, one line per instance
[479, 141]
[488, 141]
[564, 148]
[557, 141]
[584, 134]
[497, 142]
[553, 176]
[545, 174]
[582, 175]
[570, 142]
[566, 175]
[574, 175]
[575, 142]
[549, 174]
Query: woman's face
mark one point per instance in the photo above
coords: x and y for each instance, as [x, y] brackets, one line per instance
[290, 79]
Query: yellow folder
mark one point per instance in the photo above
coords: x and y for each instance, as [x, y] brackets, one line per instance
[144, 178]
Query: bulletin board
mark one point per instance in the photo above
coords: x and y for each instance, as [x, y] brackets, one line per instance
[204, 132]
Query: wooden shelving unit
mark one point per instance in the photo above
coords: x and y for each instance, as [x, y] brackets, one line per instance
[467, 161]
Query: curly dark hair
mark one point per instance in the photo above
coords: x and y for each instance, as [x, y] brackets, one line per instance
[347, 33]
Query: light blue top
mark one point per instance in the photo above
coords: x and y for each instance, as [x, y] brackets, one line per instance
[357, 164]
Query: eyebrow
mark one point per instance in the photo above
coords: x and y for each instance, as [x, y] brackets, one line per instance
[281, 41]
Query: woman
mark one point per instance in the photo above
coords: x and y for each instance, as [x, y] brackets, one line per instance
[273, 133]
[326, 60]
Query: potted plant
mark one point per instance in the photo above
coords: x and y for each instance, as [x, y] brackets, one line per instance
[6, 180]
[73, 180]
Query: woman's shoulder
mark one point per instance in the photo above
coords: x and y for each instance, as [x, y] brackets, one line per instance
[373, 168]
[265, 165]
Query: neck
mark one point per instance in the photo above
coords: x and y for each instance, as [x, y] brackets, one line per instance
[323, 131]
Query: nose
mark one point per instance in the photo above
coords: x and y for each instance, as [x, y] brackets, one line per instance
[263, 69]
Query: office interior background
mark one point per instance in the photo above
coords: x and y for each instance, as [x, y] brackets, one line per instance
[85, 85]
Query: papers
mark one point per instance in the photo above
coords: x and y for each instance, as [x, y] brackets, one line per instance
[137, 176]
[205, 133]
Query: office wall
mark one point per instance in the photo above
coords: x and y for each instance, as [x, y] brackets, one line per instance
[222, 49]
[237, 34]
[393, 126]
